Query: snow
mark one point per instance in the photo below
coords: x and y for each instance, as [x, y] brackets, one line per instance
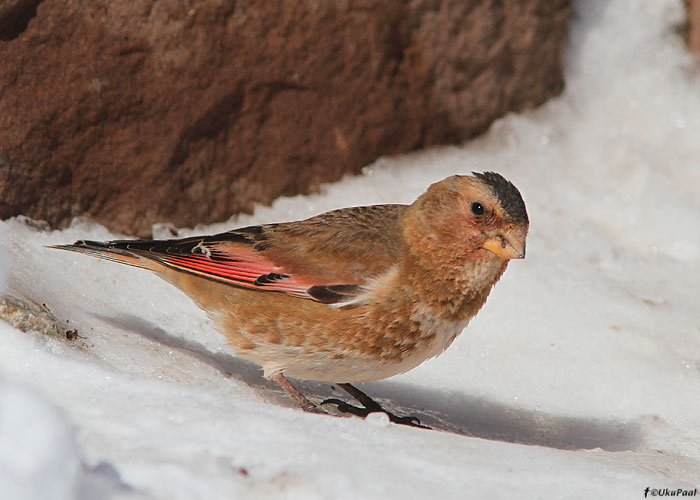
[39, 455]
[579, 379]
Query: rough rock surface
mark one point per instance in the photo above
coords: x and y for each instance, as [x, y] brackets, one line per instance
[693, 9]
[135, 112]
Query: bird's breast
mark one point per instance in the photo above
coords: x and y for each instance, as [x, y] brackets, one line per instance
[435, 333]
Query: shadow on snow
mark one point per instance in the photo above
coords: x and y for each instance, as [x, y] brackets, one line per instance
[441, 410]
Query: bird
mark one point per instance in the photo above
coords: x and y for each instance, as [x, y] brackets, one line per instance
[353, 295]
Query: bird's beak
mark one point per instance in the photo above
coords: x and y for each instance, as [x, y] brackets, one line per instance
[508, 244]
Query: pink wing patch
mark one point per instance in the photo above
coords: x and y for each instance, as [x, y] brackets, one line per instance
[218, 258]
[242, 268]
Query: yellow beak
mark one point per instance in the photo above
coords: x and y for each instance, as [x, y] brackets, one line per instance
[507, 245]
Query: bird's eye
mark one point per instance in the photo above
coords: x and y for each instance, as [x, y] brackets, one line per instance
[477, 208]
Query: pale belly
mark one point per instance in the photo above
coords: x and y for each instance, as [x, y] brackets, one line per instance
[342, 362]
[363, 369]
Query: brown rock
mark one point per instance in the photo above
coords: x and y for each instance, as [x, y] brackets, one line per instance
[139, 111]
[693, 10]
[14, 16]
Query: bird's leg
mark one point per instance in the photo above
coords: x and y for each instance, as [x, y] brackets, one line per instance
[369, 403]
[370, 406]
[301, 400]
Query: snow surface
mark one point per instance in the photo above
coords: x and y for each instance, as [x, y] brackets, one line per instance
[579, 379]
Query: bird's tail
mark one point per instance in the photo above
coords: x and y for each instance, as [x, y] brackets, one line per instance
[114, 251]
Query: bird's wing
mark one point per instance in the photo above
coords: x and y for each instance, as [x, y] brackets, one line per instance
[328, 258]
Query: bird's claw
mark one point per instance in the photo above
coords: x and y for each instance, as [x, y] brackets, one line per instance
[348, 408]
[409, 420]
[358, 411]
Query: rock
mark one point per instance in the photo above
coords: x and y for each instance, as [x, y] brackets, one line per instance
[136, 112]
[14, 16]
[27, 316]
[693, 10]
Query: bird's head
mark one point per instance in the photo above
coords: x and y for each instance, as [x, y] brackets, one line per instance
[469, 217]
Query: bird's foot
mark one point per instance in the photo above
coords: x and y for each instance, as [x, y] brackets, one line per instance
[369, 405]
[358, 411]
[312, 408]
